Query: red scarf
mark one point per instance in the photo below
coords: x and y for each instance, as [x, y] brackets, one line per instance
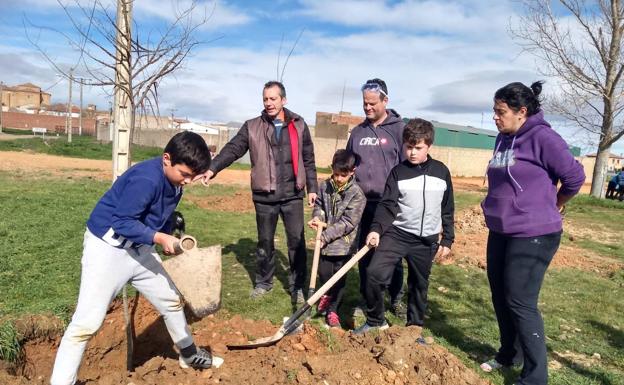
[294, 146]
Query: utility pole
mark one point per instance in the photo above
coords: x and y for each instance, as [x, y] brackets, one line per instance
[172, 122]
[344, 86]
[1, 85]
[81, 82]
[68, 120]
[111, 123]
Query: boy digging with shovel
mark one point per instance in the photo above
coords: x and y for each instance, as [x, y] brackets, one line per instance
[339, 204]
[119, 242]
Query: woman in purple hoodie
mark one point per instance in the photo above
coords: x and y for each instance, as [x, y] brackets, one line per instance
[523, 211]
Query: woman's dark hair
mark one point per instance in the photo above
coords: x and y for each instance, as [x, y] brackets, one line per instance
[343, 161]
[517, 95]
[190, 149]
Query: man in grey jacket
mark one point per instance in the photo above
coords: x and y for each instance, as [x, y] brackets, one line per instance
[377, 144]
[282, 168]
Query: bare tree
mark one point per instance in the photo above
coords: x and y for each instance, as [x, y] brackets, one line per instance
[135, 68]
[581, 44]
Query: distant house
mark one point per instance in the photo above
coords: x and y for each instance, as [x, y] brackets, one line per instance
[615, 162]
[25, 95]
[60, 109]
[199, 128]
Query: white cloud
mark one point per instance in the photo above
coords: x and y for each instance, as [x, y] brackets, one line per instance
[219, 13]
[452, 17]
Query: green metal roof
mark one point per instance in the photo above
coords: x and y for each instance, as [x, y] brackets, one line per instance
[454, 135]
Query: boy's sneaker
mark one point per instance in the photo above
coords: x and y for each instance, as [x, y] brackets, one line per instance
[323, 304]
[366, 328]
[258, 292]
[201, 360]
[332, 319]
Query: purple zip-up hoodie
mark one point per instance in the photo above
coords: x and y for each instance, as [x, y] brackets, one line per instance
[523, 176]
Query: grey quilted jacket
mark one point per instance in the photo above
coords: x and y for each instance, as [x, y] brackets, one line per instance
[342, 210]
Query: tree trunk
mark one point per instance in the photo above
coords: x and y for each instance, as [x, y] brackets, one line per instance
[600, 170]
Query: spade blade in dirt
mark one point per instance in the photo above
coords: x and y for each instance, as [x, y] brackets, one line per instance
[292, 323]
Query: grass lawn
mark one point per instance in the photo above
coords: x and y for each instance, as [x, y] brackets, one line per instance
[80, 147]
[41, 238]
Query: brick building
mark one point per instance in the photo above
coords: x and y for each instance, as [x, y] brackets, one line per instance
[24, 95]
[335, 126]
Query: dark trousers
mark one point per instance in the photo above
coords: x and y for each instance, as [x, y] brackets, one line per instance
[394, 245]
[395, 288]
[516, 268]
[291, 212]
[611, 191]
[328, 266]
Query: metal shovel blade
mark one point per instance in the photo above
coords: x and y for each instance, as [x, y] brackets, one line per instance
[292, 323]
[288, 327]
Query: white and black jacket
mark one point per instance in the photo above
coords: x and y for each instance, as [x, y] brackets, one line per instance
[418, 198]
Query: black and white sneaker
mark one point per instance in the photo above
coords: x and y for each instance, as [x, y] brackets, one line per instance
[203, 359]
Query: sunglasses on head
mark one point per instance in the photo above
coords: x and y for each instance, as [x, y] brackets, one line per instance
[374, 87]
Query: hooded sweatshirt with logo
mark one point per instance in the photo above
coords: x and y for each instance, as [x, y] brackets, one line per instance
[523, 176]
[378, 150]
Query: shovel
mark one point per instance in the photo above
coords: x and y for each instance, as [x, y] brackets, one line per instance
[315, 260]
[293, 323]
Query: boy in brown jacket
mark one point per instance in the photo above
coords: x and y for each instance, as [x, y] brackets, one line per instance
[340, 203]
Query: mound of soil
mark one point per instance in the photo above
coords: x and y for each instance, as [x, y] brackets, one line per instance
[471, 239]
[311, 357]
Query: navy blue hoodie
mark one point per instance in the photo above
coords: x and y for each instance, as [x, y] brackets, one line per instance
[137, 206]
[378, 150]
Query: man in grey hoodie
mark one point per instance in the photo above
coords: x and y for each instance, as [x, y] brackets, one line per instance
[376, 143]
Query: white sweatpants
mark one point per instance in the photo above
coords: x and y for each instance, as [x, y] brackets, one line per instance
[105, 270]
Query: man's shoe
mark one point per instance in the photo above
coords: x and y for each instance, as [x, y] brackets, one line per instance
[399, 310]
[202, 359]
[297, 298]
[366, 328]
[323, 304]
[258, 292]
[492, 365]
[332, 319]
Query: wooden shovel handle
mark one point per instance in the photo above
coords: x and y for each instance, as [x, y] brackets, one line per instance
[317, 254]
[339, 274]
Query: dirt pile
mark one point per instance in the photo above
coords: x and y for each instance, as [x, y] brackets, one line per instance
[311, 357]
[471, 235]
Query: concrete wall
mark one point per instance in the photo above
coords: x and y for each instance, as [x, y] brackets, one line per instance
[159, 138]
[467, 162]
[461, 161]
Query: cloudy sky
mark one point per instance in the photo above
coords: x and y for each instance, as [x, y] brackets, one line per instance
[442, 60]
